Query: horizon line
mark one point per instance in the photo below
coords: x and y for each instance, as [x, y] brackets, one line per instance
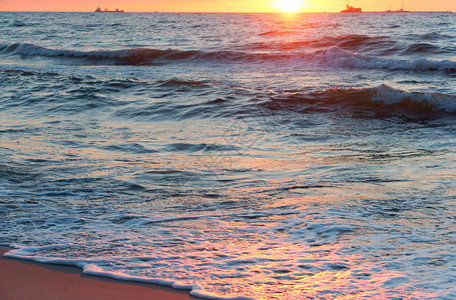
[234, 12]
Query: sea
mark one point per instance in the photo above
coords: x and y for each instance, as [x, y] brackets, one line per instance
[237, 156]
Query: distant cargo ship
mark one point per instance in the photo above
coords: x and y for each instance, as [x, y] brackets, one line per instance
[111, 11]
[351, 9]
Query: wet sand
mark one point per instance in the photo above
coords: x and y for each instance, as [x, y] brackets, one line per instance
[21, 280]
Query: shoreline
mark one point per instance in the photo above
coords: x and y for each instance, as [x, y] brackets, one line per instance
[23, 279]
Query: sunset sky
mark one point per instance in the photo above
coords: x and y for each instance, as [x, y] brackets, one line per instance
[221, 5]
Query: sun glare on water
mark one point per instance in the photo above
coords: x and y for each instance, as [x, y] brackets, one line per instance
[289, 6]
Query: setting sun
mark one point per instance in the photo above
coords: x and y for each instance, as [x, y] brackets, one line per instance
[289, 6]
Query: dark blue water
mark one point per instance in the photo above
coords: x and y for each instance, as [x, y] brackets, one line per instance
[234, 155]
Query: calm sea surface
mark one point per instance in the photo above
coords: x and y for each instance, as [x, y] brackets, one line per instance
[235, 155]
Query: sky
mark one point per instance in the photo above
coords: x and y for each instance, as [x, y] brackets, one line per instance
[222, 5]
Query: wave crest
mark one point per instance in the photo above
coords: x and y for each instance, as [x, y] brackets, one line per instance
[134, 56]
[377, 101]
[128, 56]
[337, 57]
[333, 57]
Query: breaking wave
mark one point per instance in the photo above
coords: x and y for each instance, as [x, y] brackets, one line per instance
[377, 101]
[333, 56]
[130, 56]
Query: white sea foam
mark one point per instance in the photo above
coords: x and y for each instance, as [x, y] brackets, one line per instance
[436, 102]
[89, 267]
[337, 57]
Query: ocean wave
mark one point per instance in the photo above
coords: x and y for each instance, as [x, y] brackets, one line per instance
[377, 101]
[129, 56]
[357, 42]
[337, 57]
[124, 56]
[332, 56]
[420, 48]
[348, 42]
[374, 45]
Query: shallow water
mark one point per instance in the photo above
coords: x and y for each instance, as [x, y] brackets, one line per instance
[235, 155]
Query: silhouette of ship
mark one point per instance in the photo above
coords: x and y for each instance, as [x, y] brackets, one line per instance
[110, 11]
[351, 9]
[399, 10]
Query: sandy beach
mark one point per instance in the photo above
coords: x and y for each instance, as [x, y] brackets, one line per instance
[28, 280]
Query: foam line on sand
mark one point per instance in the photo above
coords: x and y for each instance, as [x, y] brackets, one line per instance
[29, 280]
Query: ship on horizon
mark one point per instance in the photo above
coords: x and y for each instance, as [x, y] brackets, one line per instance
[351, 9]
[110, 11]
[399, 10]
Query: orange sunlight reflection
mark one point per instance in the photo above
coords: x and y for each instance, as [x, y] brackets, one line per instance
[323, 269]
